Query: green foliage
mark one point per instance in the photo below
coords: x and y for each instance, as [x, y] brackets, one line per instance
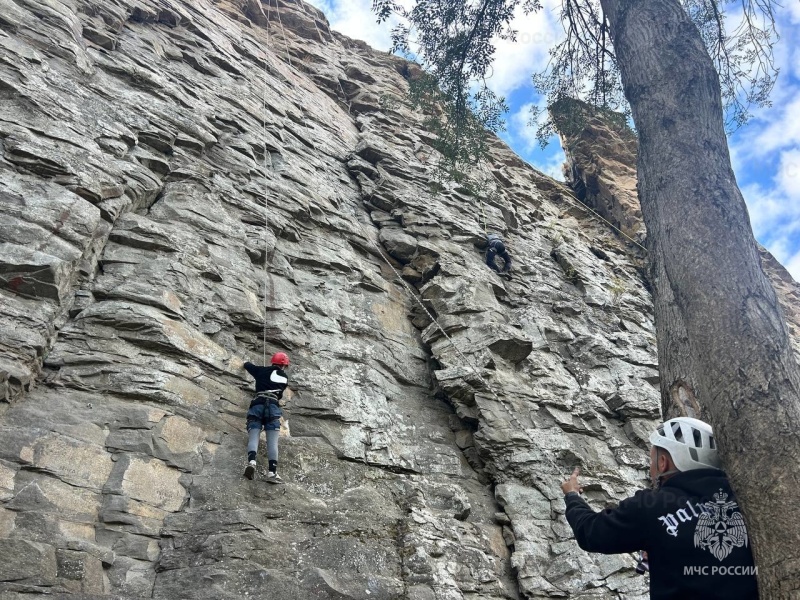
[453, 41]
[572, 275]
[389, 102]
[458, 124]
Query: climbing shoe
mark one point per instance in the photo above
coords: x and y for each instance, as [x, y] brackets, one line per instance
[274, 478]
[250, 470]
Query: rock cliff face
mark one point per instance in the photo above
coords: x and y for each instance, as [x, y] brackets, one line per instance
[601, 162]
[184, 185]
[601, 153]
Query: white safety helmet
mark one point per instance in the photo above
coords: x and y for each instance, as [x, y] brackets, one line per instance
[690, 443]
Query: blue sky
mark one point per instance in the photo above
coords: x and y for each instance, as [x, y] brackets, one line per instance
[765, 153]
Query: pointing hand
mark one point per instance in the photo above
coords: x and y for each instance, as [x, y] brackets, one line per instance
[571, 484]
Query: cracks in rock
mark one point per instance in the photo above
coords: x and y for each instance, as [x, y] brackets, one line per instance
[396, 469]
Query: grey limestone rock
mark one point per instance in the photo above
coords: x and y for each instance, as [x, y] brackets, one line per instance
[188, 185]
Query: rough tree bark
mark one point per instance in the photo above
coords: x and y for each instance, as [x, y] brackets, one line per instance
[675, 369]
[705, 257]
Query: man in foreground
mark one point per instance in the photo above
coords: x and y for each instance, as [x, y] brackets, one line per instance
[689, 523]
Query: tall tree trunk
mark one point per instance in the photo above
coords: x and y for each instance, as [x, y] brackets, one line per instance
[742, 367]
[676, 375]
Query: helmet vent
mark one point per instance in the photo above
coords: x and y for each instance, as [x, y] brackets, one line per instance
[711, 442]
[698, 438]
[677, 431]
[693, 454]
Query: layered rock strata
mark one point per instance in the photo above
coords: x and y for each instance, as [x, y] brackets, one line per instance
[601, 153]
[186, 185]
[601, 162]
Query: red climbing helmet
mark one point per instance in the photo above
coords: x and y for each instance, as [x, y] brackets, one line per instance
[281, 359]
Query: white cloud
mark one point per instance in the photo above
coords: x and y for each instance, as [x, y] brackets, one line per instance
[793, 266]
[766, 153]
[775, 216]
[515, 62]
[792, 8]
[777, 126]
[788, 177]
[355, 19]
[782, 131]
[552, 167]
[522, 135]
[767, 208]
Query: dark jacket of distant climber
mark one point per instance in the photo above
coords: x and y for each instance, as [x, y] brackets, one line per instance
[495, 247]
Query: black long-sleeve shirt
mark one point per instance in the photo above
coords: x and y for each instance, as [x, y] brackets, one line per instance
[691, 528]
[268, 379]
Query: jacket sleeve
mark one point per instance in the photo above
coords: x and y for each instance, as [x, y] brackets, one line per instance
[283, 384]
[610, 531]
[251, 368]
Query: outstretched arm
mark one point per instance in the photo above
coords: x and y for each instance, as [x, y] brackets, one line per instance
[611, 531]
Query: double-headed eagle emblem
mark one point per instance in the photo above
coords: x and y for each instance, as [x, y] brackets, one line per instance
[720, 528]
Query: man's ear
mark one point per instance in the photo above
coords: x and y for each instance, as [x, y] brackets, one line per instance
[664, 461]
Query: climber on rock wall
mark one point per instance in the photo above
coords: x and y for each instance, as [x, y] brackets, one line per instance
[265, 413]
[689, 524]
[496, 247]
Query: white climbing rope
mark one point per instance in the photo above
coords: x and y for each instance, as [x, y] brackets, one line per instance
[297, 100]
[514, 420]
[580, 204]
[283, 31]
[266, 193]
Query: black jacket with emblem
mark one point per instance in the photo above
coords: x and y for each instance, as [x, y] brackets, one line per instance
[691, 528]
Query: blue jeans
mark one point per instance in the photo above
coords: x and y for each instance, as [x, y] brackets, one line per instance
[266, 415]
